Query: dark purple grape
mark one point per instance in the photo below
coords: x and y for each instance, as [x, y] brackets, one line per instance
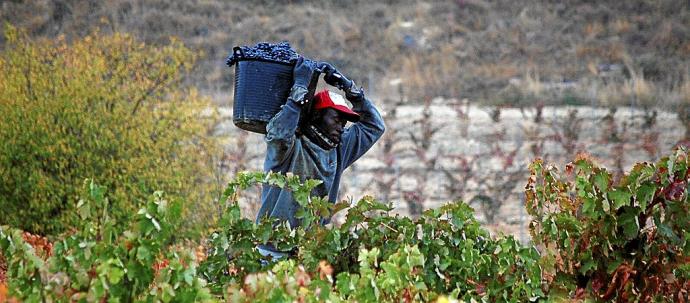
[279, 52]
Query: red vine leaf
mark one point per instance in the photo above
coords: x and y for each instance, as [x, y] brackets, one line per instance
[675, 190]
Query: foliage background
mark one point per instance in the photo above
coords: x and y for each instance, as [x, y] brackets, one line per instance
[104, 107]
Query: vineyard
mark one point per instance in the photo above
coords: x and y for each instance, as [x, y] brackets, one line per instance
[595, 239]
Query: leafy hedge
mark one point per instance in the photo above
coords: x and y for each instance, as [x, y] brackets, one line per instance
[598, 239]
[104, 107]
[623, 240]
[373, 256]
[96, 262]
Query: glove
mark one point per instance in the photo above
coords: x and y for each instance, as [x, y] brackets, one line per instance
[335, 78]
[302, 74]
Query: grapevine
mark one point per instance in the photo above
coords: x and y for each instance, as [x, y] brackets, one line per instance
[596, 239]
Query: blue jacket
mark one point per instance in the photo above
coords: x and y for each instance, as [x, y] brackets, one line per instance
[287, 152]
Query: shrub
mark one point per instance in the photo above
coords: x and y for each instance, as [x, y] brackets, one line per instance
[598, 240]
[373, 256]
[104, 107]
[606, 239]
[95, 263]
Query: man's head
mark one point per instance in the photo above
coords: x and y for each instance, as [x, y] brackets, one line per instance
[331, 114]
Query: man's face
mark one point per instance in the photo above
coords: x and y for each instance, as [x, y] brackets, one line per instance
[332, 123]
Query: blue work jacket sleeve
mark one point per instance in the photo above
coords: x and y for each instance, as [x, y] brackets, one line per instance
[361, 136]
[280, 135]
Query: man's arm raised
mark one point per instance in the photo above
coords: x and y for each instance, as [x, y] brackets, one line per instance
[361, 136]
[280, 131]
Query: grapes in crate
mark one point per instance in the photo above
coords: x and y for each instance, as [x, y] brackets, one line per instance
[279, 52]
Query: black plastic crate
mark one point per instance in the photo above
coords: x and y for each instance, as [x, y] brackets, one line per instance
[261, 87]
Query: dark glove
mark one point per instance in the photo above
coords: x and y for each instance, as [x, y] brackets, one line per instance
[302, 74]
[333, 77]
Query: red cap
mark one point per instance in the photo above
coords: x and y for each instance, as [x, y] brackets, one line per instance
[326, 99]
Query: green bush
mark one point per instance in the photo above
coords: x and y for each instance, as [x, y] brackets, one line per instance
[104, 107]
[95, 263]
[597, 240]
[608, 239]
[374, 256]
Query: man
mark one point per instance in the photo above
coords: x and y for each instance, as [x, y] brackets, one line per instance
[322, 148]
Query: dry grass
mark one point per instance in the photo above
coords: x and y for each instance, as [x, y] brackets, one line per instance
[456, 48]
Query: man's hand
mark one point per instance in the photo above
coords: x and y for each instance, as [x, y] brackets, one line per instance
[335, 78]
[302, 74]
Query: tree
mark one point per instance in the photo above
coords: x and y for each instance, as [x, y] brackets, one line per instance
[105, 107]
